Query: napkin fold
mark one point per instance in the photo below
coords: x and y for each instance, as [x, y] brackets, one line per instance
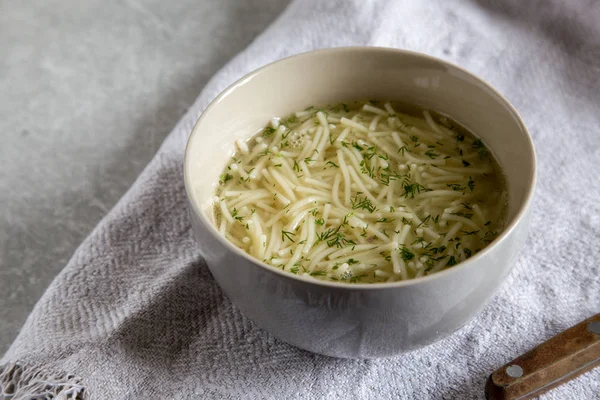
[136, 313]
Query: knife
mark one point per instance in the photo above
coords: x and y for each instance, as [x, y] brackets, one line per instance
[552, 363]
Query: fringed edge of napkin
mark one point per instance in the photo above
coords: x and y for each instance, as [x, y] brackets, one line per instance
[19, 381]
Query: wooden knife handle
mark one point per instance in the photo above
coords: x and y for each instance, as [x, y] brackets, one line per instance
[554, 362]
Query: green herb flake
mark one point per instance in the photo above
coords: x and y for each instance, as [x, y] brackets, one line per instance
[225, 178]
[288, 235]
[489, 236]
[387, 257]
[402, 149]
[431, 154]
[268, 131]
[362, 203]
[333, 237]
[236, 216]
[357, 278]
[366, 170]
[406, 254]
[414, 188]
[481, 149]
[455, 187]
[471, 184]
[357, 146]
[427, 218]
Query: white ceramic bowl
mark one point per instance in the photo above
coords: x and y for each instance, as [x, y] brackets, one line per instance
[358, 320]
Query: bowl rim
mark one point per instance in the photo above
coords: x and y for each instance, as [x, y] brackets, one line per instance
[469, 263]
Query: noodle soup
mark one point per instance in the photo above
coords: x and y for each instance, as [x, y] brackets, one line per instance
[361, 192]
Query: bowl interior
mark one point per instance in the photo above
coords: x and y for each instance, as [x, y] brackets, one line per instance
[346, 74]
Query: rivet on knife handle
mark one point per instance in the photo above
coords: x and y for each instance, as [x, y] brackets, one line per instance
[554, 362]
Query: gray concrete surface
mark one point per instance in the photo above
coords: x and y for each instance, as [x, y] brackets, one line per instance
[88, 91]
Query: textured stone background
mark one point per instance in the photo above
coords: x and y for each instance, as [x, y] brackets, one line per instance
[88, 90]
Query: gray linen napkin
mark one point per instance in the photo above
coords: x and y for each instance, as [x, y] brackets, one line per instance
[136, 314]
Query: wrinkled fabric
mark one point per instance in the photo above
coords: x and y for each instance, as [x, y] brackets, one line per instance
[136, 313]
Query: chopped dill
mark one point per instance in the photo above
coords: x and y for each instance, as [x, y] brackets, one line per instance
[366, 170]
[478, 144]
[406, 254]
[462, 214]
[471, 184]
[236, 215]
[287, 235]
[357, 278]
[455, 186]
[406, 222]
[268, 131]
[225, 178]
[431, 154]
[427, 218]
[362, 203]
[413, 188]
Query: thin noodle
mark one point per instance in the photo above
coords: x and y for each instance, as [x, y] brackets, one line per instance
[417, 192]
